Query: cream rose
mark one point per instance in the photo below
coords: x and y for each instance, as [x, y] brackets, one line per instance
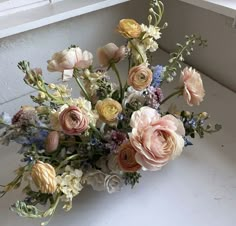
[73, 121]
[129, 28]
[70, 58]
[108, 110]
[156, 139]
[140, 77]
[193, 91]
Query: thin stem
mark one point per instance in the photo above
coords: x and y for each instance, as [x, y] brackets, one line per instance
[87, 96]
[96, 131]
[66, 160]
[170, 96]
[119, 79]
[137, 50]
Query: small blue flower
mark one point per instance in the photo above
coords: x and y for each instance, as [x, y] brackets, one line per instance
[187, 142]
[157, 76]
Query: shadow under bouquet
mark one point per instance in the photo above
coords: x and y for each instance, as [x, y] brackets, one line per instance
[108, 135]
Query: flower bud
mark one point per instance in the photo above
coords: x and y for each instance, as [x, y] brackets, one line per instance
[52, 142]
[44, 177]
[41, 96]
[51, 86]
[203, 115]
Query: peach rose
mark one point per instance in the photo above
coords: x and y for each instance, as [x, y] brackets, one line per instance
[193, 87]
[110, 53]
[73, 121]
[140, 77]
[126, 158]
[129, 28]
[70, 58]
[156, 139]
[108, 110]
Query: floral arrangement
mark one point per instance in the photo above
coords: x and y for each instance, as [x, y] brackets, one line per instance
[109, 134]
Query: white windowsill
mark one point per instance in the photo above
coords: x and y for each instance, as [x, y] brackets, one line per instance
[41, 16]
[224, 7]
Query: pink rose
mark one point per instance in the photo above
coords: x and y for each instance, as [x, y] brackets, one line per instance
[193, 88]
[140, 77]
[73, 121]
[110, 53]
[156, 139]
[69, 59]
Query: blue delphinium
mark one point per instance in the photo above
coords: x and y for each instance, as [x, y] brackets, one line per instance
[37, 139]
[157, 75]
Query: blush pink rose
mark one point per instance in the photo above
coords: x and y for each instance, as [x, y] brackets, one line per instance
[69, 59]
[156, 139]
[73, 121]
[110, 53]
[193, 87]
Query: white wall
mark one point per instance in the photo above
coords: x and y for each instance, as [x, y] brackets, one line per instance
[218, 60]
[88, 31]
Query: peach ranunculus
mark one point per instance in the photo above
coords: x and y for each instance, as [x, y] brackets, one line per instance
[156, 139]
[193, 91]
[126, 158]
[108, 110]
[110, 53]
[140, 77]
[73, 121]
[129, 28]
[69, 59]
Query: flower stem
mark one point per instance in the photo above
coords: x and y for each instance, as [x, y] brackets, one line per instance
[171, 95]
[87, 96]
[95, 130]
[119, 79]
[72, 157]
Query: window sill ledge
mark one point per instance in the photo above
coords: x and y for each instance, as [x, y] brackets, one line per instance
[224, 7]
[45, 15]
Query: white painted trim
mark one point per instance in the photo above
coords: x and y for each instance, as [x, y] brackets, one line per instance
[42, 16]
[224, 7]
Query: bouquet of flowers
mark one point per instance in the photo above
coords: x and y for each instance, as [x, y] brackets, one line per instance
[110, 133]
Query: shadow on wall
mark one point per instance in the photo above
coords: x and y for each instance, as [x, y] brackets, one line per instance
[218, 59]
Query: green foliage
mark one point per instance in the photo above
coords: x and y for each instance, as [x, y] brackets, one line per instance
[178, 56]
[132, 178]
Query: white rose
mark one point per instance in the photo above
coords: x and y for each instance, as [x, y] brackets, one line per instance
[96, 179]
[133, 95]
[113, 183]
[70, 58]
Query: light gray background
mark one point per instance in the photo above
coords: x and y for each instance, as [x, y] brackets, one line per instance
[197, 189]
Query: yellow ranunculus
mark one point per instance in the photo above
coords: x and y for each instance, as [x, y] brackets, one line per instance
[129, 28]
[108, 110]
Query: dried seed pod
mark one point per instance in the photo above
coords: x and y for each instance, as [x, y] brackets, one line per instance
[52, 141]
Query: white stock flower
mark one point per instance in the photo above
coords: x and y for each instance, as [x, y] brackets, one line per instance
[113, 183]
[69, 183]
[151, 31]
